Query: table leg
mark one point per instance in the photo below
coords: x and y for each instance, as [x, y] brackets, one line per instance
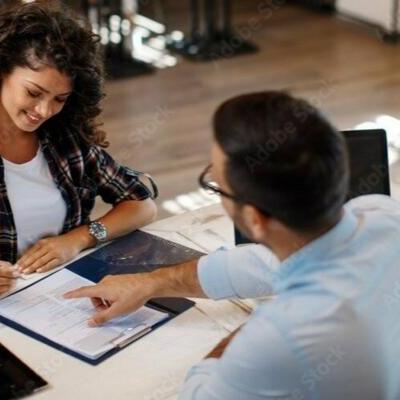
[194, 20]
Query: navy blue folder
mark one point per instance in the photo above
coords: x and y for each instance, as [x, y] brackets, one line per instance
[133, 253]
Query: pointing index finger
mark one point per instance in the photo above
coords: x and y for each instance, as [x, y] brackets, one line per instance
[85, 291]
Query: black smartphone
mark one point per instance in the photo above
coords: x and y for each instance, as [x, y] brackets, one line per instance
[17, 380]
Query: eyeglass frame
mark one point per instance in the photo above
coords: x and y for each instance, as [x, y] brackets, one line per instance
[209, 186]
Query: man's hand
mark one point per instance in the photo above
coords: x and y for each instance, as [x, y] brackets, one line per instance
[8, 275]
[123, 294]
[116, 295]
[49, 253]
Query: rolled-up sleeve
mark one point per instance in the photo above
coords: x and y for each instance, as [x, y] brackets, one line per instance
[114, 182]
[242, 272]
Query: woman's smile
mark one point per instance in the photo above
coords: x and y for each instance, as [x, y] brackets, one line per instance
[33, 119]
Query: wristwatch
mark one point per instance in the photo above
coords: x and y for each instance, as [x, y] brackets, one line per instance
[98, 231]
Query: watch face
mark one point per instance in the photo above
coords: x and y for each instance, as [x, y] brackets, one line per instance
[98, 231]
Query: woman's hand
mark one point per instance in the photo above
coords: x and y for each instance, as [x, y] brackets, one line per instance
[8, 275]
[49, 253]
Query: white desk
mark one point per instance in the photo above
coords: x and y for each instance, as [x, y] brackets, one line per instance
[154, 367]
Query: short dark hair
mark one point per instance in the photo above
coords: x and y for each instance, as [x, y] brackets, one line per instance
[47, 32]
[284, 157]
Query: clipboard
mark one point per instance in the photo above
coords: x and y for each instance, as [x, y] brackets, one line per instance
[134, 253]
[57, 346]
[137, 252]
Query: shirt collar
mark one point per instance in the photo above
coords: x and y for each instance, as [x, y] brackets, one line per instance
[300, 263]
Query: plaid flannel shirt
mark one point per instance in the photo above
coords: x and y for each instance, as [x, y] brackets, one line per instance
[81, 172]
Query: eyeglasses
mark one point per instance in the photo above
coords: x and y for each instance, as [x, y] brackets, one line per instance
[207, 183]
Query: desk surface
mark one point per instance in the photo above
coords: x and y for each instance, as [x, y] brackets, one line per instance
[154, 367]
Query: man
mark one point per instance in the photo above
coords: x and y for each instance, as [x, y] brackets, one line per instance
[282, 172]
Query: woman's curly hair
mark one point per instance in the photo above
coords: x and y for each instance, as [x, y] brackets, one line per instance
[46, 33]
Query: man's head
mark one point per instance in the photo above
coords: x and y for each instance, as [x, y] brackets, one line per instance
[282, 163]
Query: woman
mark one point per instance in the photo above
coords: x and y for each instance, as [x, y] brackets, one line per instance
[52, 163]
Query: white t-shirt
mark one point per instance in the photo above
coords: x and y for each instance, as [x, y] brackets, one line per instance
[37, 205]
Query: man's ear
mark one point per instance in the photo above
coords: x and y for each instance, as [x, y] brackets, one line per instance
[256, 222]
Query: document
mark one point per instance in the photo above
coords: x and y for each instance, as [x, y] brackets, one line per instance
[42, 309]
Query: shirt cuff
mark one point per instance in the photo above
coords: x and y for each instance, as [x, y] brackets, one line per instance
[214, 277]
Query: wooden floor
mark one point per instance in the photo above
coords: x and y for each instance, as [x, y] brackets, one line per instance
[161, 123]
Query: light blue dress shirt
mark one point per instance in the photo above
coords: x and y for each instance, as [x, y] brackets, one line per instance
[332, 333]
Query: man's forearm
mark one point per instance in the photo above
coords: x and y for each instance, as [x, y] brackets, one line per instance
[178, 281]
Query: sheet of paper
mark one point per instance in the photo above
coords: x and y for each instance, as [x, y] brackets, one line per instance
[42, 309]
[206, 229]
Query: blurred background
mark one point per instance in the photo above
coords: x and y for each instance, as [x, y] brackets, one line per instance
[170, 63]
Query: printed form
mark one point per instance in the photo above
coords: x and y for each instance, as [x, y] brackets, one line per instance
[42, 309]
